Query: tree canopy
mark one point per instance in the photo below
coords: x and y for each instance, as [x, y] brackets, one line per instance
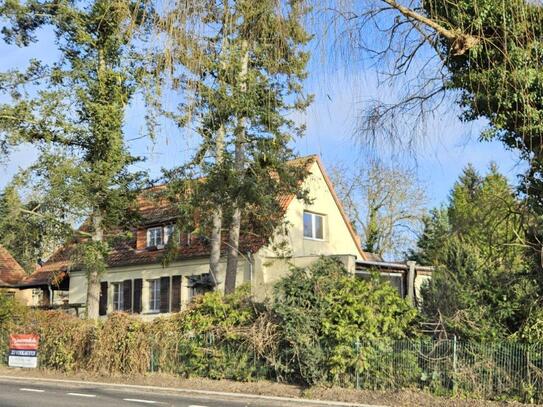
[73, 112]
[484, 286]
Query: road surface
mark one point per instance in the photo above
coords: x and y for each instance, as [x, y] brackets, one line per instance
[34, 393]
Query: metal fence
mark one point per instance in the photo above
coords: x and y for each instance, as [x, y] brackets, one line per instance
[494, 370]
[488, 370]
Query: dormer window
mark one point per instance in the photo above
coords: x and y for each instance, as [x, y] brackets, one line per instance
[158, 236]
[155, 237]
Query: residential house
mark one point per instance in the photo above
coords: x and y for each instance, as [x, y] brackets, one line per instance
[137, 281]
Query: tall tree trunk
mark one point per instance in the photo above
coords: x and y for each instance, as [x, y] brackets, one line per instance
[216, 235]
[239, 161]
[216, 232]
[93, 278]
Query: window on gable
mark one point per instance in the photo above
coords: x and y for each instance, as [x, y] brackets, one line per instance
[313, 226]
[154, 295]
[118, 300]
[155, 236]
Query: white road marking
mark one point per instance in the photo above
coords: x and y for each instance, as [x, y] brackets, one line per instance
[141, 401]
[81, 395]
[32, 390]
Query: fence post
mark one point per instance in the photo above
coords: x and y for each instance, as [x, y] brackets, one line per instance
[455, 362]
[528, 372]
[357, 345]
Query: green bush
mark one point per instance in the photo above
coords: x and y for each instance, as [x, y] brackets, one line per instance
[322, 311]
[213, 337]
[11, 314]
[307, 335]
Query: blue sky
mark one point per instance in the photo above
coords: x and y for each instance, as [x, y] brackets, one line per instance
[340, 91]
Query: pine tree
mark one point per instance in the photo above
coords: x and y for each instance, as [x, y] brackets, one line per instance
[483, 285]
[73, 112]
[244, 73]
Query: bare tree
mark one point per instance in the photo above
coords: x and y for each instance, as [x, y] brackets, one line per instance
[385, 204]
[403, 42]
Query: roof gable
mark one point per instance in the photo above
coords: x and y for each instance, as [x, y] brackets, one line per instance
[315, 159]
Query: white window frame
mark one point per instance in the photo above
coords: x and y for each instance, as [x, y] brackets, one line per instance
[117, 303]
[167, 233]
[149, 231]
[314, 226]
[154, 295]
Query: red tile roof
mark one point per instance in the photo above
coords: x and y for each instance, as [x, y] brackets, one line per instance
[11, 272]
[127, 253]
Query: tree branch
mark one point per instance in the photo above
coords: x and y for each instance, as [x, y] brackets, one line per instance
[461, 42]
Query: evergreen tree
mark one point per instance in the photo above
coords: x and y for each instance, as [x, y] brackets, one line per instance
[73, 112]
[483, 285]
[244, 72]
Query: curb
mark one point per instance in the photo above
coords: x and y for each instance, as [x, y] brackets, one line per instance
[191, 391]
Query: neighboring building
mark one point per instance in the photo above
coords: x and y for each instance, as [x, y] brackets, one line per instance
[11, 274]
[136, 280]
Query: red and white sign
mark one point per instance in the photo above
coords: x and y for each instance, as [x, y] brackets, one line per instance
[24, 342]
[23, 350]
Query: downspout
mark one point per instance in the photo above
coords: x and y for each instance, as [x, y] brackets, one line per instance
[411, 282]
[50, 295]
[250, 258]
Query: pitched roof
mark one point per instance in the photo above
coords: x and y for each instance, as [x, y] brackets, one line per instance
[11, 272]
[126, 253]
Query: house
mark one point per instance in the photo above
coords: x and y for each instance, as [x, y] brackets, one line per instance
[136, 280]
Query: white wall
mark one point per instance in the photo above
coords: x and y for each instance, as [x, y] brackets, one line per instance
[78, 279]
[271, 265]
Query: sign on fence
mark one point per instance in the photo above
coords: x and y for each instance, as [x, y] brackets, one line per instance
[23, 350]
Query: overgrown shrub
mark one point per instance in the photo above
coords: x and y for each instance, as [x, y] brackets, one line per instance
[121, 345]
[323, 311]
[212, 338]
[306, 336]
[11, 314]
[65, 341]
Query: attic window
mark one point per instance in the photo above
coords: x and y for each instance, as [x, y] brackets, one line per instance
[313, 226]
[155, 237]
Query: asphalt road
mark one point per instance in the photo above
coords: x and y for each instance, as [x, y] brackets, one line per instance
[19, 393]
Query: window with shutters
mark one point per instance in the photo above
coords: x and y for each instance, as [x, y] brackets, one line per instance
[154, 295]
[118, 300]
[313, 226]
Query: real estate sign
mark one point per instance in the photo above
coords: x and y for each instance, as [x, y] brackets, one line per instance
[23, 350]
